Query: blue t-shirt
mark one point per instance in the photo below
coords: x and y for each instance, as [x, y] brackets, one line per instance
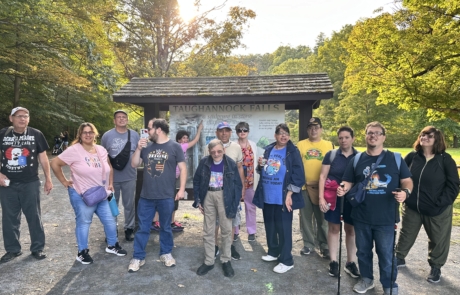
[338, 165]
[273, 175]
[378, 207]
[217, 175]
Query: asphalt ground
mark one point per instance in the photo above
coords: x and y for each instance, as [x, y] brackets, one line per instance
[60, 273]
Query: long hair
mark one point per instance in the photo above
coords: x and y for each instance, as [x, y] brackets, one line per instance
[439, 145]
[80, 131]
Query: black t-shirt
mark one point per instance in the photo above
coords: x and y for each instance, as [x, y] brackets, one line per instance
[20, 153]
[378, 208]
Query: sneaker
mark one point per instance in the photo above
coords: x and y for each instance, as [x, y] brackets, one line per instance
[84, 257]
[235, 237]
[435, 275]
[217, 252]
[155, 226]
[281, 268]
[305, 251]
[352, 270]
[228, 269]
[235, 255]
[251, 238]
[269, 258]
[135, 264]
[129, 234]
[204, 269]
[176, 226]
[325, 253]
[334, 269]
[117, 250]
[362, 287]
[10, 256]
[168, 260]
[400, 262]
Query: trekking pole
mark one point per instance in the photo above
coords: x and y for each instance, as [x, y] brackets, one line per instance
[340, 239]
[394, 246]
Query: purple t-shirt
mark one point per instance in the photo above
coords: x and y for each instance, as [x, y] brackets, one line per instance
[217, 175]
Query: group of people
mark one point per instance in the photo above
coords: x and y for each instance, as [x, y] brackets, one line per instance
[311, 176]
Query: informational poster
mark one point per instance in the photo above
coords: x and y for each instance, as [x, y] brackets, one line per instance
[262, 120]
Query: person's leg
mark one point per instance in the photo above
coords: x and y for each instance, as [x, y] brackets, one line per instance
[350, 242]
[250, 211]
[11, 217]
[306, 222]
[165, 208]
[411, 223]
[225, 228]
[384, 239]
[30, 203]
[108, 221]
[270, 230]
[209, 227]
[321, 227]
[283, 225]
[439, 229]
[128, 190]
[83, 218]
[333, 240]
[145, 213]
[364, 245]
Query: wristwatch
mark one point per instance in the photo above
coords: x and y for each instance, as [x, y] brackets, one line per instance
[407, 192]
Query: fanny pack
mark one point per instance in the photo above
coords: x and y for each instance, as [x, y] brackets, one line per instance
[119, 161]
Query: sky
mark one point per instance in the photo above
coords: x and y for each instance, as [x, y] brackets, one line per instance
[296, 22]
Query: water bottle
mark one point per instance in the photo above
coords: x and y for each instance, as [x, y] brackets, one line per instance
[328, 206]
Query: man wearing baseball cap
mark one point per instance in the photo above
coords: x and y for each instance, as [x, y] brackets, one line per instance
[312, 151]
[22, 148]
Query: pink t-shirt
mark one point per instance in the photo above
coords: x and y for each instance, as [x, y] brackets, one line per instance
[86, 168]
[184, 147]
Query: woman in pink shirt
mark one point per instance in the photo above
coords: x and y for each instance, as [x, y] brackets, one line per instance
[89, 167]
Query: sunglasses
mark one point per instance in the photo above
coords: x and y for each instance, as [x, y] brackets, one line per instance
[242, 130]
[427, 135]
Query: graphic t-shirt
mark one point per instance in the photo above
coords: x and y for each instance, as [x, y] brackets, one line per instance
[248, 165]
[114, 142]
[184, 147]
[160, 161]
[272, 177]
[378, 207]
[85, 167]
[20, 153]
[217, 175]
[312, 154]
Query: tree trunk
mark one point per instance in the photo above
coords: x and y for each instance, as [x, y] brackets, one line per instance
[455, 141]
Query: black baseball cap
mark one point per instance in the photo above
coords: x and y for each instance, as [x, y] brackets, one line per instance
[315, 121]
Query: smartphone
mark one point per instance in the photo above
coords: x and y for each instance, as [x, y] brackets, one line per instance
[398, 190]
[144, 133]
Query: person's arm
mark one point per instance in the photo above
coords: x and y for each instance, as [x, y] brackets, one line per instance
[2, 176]
[450, 190]
[196, 186]
[43, 159]
[183, 180]
[197, 136]
[322, 181]
[136, 159]
[56, 166]
[297, 180]
[405, 183]
[110, 186]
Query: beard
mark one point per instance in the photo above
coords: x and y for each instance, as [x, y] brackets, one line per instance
[154, 138]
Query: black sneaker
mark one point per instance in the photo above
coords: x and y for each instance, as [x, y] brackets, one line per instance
[400, 262]
[84, 257]
[10, 256]
[334, 269]
[39, 255]
[117, 250]
[305, 251]
[129, 234]
[235, 237]
[216, 252]
[325, 253]
[204, 269]
[235, 255]
[251, 237]
[228, 269]
[435, 275]
[352, 270]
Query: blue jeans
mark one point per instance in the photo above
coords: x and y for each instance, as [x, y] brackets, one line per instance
[146, 209]
[383, 235]
[84, 218]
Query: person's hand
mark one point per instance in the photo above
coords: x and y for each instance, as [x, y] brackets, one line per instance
[2, 179]
[341, 191]
[323, 205]
[400, 196]
[68, 183]
[142, 143]
[289, 203]
[48, 186]
[110, 187]
[180, 195]
[201, 209]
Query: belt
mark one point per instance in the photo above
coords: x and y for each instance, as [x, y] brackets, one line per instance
[215, 189]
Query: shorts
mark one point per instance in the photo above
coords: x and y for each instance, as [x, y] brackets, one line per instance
[334, 216]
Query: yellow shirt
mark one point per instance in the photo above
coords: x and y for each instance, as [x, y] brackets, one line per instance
[312, 154]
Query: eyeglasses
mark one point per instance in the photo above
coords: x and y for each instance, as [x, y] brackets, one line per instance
[88, 133]
[313, 127]
[283, 133]
[21, 116]
[427, 135]
[242, 130]
[377, 134]
[217, 152]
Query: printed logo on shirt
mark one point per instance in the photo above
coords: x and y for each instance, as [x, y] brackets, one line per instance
[93, 162]
[156, 165]
[118, 144]
[17, 158]
[376, 182]
[273, 166]
[314, 154]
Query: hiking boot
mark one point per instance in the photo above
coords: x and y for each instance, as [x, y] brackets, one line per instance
[269, 258]
[435, 275]
[282, 268]
[235, 254]
[129, 234]
[155, 226]
[168, 260]
[83, 257]
[235, 237]
[334, 269]
[135, 264]
[305, 251]
[216, 252]
[117, 250]
[204, 269]
[10, 256]
[352, 270]
[400, 262]
[325, 253]
[176, 226]
[251, 238]
[363, 285]
[39, 254]
[228, 269]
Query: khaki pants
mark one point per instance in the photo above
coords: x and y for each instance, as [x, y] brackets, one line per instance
[307, 224]
[438, 228]
[214, 207]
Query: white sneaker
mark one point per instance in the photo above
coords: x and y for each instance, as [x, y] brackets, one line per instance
[168, 260]
[135, 264]
[281, 268]
[269, 258]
